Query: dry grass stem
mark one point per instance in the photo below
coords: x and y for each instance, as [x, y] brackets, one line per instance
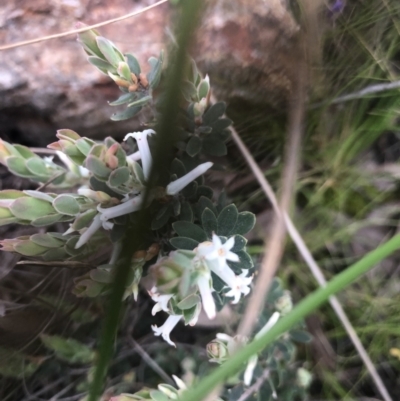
[255, 387]
[275, 245]
[87, 28]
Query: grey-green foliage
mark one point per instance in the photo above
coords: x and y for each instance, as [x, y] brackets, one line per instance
[125, 70]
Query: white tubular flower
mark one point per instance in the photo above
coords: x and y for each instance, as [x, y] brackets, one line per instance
[176, 186]
[216, 255]
[252, 363]
[248, 373]
[166, 328]
[144, 149]
[95, 226]
[134, 157]
[240, 286]
[131, 205]
[205, 288]
[84, 172]
[218, 251]
[161, 301]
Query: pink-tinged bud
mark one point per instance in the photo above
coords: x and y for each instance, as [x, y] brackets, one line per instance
[133, 88]
[109, 158]
[143, 80]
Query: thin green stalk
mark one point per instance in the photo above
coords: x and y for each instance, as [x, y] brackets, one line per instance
[304, 308]
[134, 236]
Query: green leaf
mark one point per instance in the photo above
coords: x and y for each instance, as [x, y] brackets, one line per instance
[46, 220]
[203, 88]
[155, 72]
[189, 230]
[240, 243]
[125, 98]
[186, 212]
[189, 302]
[221, 124]
[300, 336]
[37, 166]
[157, 395]
[17, 166]
[194, 146]
[189, 314]
[29, 248]
[133, 63]
[202, 204]
[214, 147]
[183, 243]
[178, 168]
[84, 145]
[68, 349]
[189, 91]
[124, 115]
[84, 219]
[119, 177]
[159, 221]
[30, 208]
[245, 223]
[209, 222]
[97, 167]
[110, 52]
[46, 240]
[101, 276]
[66, 204]
[25, 152]
[140, 102]
[40, 195]
[205, 191]
[227, 220]
[55, 254]
[213, 113]
[102, 65]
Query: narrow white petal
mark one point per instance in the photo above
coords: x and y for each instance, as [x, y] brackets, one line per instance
[206, 296]
[271, 322]
[176, 186]
[166, 328]
[127, 207]
[248, 374]
[92, 229]
[144, 149]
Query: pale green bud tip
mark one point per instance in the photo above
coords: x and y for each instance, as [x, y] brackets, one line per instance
[217, 351]
[284, 304]
[304, 377]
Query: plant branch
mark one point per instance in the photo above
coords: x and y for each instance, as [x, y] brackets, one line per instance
[304, 308]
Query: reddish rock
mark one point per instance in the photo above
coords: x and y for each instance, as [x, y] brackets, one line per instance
[245, 45]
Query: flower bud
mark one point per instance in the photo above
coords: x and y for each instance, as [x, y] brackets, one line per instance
[303, 378]
[284, 304]
[143, 80]
[167, 273]
[217, 351]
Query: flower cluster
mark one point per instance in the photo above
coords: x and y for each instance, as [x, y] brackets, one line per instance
[132, 201]
[184, 284]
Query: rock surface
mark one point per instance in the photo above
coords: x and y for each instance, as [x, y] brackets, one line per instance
[245, 45]
[49, 85]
